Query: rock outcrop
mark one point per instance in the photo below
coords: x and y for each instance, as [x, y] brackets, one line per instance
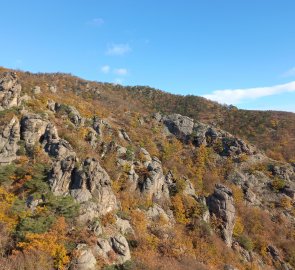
[65, 160]
[152, 183]
[180, 126]
[114, 250]
[84, 258]
[33, 127]
[92, 181]
[10, 90]
[9, 138]
[221, 205]
[225, 144]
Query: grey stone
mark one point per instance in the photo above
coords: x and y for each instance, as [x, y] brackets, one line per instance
[221, 204]
[180, 126]
[33, 127]
[9, 138]
[10, 90]
[84, 259]
[93, 179]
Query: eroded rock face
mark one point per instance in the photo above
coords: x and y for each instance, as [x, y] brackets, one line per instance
[225, 144]
[55, 146]
[84, 259]
[33, 127]
[153, 183]
[71, 112]
[65, 159]
[10, 90]
[114, 250]
[221, 204]
[9, 138]
[93, 181]
[61, 174]
[179, 125]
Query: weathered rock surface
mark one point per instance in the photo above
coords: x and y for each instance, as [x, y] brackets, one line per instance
[65, 159]
[54, 145]
[156, 213]
[84, 259]
[33, 127]
[224, 143]
[71, 112]
[153, 183]
[180, 126]
[221, 205]
[124, 136]
[116, 247]
[9, 138]
[93, 181]
[10, 90]
[123, 226]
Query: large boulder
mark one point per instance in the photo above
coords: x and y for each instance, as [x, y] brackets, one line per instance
[221, 204]
[10, 90]
[9, 138]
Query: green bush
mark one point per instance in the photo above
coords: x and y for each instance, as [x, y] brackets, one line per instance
[278, 184]
[62, 205]
[34, 224]
[246, 242]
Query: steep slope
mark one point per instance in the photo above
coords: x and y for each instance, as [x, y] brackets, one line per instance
[92, 178]
[271, 131]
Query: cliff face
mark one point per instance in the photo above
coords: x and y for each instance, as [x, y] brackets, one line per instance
[87, 184]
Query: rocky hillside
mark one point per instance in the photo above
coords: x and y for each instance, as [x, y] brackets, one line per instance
[96, 176]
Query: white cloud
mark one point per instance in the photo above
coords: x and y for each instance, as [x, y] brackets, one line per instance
[118, 49]
[289, 73]
[121, 71]
[96, 22]
[236, 96]
[105, 69]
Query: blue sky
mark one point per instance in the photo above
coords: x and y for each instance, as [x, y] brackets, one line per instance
[239, 52]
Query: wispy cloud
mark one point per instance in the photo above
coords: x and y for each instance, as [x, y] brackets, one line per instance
[236, 96]
[105, 69]
[121, 71]
[289, 73]
[96, 22]
[118, 49]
